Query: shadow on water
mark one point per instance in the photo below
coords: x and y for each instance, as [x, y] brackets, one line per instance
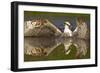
[55, 48]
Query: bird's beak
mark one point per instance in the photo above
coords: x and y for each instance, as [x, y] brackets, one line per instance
[70, 26]
[64, 24]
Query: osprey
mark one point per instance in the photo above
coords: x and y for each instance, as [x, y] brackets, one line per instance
[67, 30]
[67, 43]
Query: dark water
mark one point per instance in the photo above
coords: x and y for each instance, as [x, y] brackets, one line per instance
[55, 48]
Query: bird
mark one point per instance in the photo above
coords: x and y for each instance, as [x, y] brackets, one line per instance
[67, 30]
[67, 43]
[81, 47]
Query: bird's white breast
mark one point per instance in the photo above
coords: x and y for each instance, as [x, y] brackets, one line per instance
[67, 31]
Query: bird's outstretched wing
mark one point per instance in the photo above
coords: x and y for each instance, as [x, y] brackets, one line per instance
[81, 29]
[75, 32]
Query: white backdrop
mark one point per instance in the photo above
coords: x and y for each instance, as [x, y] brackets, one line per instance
[5, 35]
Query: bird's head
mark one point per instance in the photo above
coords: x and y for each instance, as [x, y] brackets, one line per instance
[67, 24]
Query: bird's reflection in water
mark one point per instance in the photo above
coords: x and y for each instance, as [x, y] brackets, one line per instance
[81, 45]
[43, 46]
[40, 46]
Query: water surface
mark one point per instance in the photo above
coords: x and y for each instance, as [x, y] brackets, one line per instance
[55, 48]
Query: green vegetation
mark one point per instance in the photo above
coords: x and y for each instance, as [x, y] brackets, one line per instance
[55, 14]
